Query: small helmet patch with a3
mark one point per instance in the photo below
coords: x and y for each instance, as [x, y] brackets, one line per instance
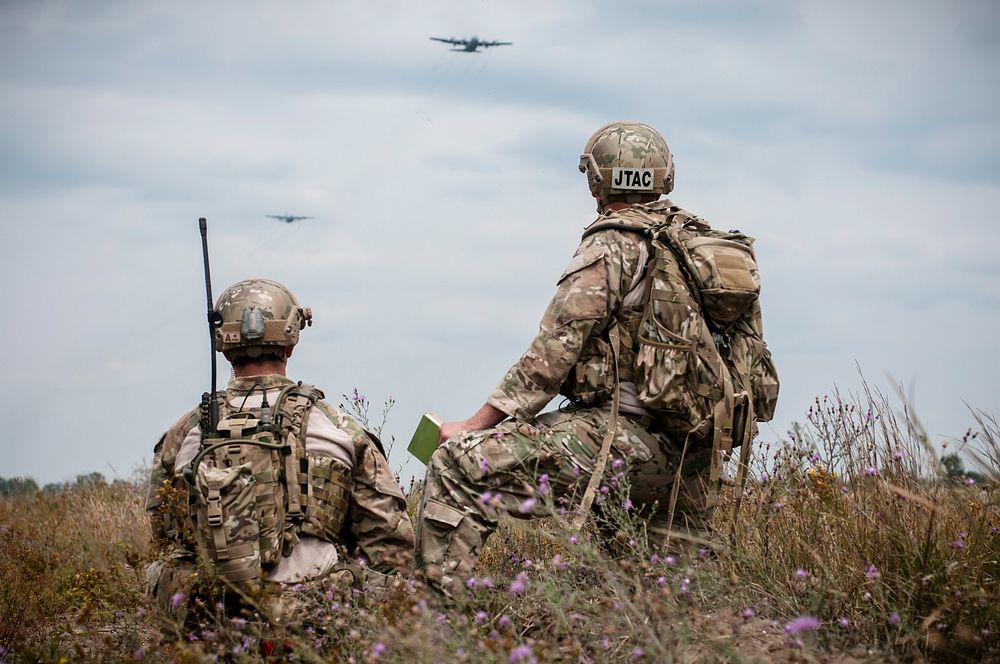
[633, 179]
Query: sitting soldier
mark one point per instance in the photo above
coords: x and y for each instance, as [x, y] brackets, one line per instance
[283, 492]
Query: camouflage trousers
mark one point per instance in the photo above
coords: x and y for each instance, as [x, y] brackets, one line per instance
[475, 477]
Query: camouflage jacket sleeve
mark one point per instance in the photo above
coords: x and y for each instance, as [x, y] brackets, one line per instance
[164, 505]
[377, 524]
[589, 292]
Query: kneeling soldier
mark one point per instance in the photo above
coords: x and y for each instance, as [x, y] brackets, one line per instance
[285, 491]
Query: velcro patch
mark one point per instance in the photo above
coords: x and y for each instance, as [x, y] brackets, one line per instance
[634, 179]
[230, 337]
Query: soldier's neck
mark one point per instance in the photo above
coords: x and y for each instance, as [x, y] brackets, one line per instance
[259, 368]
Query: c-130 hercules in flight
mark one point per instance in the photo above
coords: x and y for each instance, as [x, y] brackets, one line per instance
[287, 218]
[470, 45]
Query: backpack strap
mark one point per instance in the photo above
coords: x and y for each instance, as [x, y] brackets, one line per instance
[646, 231]
[294, 404]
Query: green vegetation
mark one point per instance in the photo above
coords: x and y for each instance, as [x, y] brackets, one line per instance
[856, 542]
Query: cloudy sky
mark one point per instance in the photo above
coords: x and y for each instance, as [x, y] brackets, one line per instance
[858, 141]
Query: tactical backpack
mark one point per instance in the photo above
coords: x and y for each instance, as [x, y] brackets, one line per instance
[702, 367]
[253, 488]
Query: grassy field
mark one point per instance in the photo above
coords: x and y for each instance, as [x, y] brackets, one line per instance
[853, 544]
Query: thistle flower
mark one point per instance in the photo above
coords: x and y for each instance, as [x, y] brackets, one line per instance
[893, 618]
[521, 654]
[843, 622]
[872, 572]
[519, 584]
[378, 650]
[617, 463]
[528, 505]
[969, 481]
[176, 599]
[480, 616]
[670, 561]
[484, 465]
[748, 613]
[801, 573]
[870, 470]
[801, 624]
[637, 652]
[504, 621]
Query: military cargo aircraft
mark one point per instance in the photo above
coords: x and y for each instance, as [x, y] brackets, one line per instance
[471, 45]
[287, 218]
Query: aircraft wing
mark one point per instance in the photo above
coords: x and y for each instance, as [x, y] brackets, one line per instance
[495, 43]
[453, 42]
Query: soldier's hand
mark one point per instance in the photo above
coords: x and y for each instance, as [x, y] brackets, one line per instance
[449, 429]
[485, 417]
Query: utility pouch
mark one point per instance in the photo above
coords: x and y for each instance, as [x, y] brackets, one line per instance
[227, 514]
[328, 491]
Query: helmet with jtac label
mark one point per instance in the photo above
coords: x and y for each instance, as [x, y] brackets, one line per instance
[259, 317]
[627, 158]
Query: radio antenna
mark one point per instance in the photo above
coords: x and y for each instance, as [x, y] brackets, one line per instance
[214, 321]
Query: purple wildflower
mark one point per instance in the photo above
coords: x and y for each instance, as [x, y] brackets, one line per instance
[484, 464]
[801, 624]
[504, 621]
[138, 654]
[870, 470]
[617, 463]
[378, 650]
[778, 505]
[486, 582]
[893, 618]
[637, 652]
[661, 580]
[521, 654]
[528, 505]
[959, 544]
[177, 598]
[470, 583]
[872, 572]
[685, 585]
[969, 481]
[763, 478]
[843, 622]
[670, 561]
[480, 616]
[844, 489]
[748, 613]
[801, 573]
[519, 584]
[628, 504]
[573, 539]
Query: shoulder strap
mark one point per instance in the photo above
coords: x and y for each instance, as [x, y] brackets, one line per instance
[646, 231]
[294, 404]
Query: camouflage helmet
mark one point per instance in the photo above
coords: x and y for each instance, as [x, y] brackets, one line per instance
[627, 158]
[259, 317]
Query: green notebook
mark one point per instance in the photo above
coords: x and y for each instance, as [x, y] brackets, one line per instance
[425, 438]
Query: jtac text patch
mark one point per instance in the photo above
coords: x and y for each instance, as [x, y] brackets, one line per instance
[638, 179]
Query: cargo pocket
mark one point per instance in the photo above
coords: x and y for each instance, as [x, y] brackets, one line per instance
[443, 514]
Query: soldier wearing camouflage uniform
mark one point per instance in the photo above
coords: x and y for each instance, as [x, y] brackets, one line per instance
[491, 463]
[346, 465]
